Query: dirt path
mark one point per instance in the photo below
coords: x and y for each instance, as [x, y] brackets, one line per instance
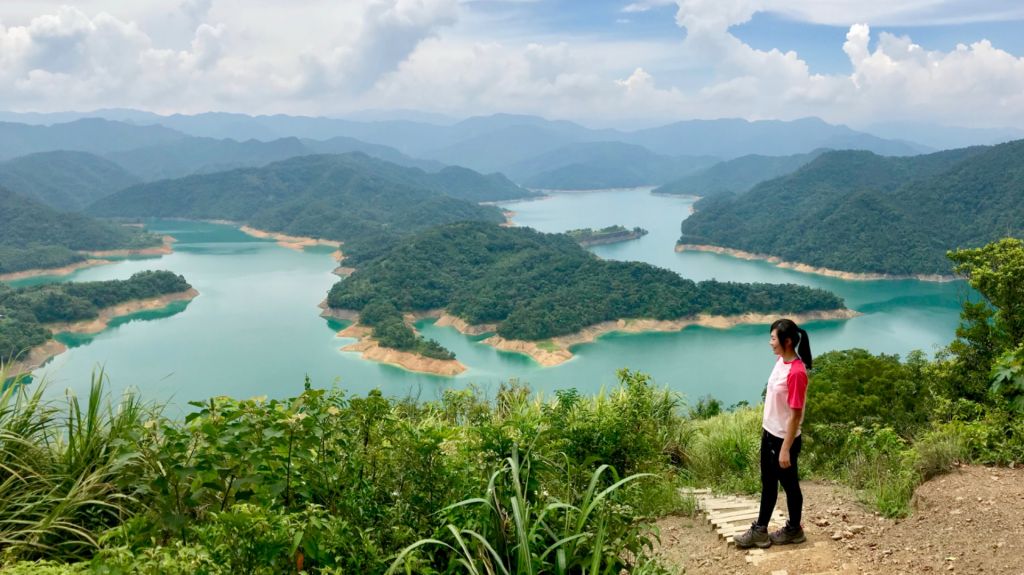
[968, 521]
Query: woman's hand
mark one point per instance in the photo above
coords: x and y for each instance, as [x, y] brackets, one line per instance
[784, 458]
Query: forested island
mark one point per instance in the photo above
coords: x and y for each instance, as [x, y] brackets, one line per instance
[30, 316]
[528, 287]
[612, 234]
[36, 237]
[856, 212]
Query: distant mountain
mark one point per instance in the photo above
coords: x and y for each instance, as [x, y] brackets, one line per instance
[736, 176]
[33, 235]
[492, 151]
[67, 181]
[344, 145]
[190, 155]
[468, 185]
[92, 135]
[194, 155]
[345, 197]
[859, 212]
[731, 138]
[477, 142]
[944, 137]
[595, 165]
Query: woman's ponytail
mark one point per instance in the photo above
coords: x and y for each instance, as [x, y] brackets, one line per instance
[787, 329]
[803, 348]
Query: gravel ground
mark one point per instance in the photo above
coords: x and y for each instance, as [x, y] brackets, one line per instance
[970, 520]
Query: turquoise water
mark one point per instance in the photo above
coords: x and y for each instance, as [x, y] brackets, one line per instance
[255, 329]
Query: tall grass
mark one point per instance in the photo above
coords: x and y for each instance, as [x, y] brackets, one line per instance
[519, 532]
[64, 467]
[724, 451]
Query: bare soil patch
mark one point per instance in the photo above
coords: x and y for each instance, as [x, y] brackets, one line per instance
[970, 520]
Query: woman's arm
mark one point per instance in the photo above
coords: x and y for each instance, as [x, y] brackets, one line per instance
[791, 428]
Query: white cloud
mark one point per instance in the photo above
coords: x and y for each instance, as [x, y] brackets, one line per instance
[646, 5]
[388, 31]
[437, 55]
[897, 80]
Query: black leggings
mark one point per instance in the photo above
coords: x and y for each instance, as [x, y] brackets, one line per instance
[772, 475]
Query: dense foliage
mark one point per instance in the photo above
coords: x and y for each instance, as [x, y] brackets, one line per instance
[536, 286]
[737, 175]
[330, 483]
[858, 212]
[33, 235]
[352, 198]
[66, 181]
[24, 310]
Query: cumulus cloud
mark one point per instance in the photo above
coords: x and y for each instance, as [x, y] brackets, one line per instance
[897, 80]
[72, 58]
[388, 31]
[419, 54]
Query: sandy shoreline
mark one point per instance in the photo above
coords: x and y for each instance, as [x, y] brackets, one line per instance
[291, 242]
[162, 250]
[805, 268]
[61, 271]
[556, 350]
[39, 355]
[372, 350]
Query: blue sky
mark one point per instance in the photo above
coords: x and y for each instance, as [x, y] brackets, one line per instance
[609, 62]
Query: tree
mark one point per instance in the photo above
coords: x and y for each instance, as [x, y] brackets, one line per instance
[996, 270]
[990, 338]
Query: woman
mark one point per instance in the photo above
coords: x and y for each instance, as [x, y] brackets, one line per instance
[780, 436]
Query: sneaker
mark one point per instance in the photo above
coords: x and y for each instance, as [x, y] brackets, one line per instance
[787, 535]
[756, 536]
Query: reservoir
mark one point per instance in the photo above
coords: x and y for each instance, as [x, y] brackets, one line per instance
[255, 329]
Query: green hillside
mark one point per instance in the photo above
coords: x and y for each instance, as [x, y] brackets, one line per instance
[468, 185]
[858, 212]
[347, 197]
[67, 181]
[736, 176]
[33, 235]
[536, 286]
[597, 165]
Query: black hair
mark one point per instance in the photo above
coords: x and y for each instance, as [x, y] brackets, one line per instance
[787, 329]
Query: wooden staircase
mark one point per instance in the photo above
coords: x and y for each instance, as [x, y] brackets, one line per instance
[730, 515]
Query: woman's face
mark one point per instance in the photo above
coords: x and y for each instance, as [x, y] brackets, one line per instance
[773, 341]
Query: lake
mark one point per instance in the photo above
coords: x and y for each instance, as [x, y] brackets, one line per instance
[255, 329]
